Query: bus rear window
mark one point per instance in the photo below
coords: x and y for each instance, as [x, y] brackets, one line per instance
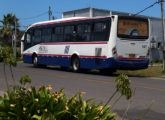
[132, 28]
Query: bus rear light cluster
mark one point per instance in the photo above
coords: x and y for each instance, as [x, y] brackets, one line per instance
[114, 51]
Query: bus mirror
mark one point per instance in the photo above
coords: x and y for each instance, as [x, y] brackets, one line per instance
[113, 17]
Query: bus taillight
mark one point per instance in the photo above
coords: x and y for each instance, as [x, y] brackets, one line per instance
[114, 51]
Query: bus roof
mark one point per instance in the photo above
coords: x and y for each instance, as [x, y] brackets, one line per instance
[75, 19]
[65, 20]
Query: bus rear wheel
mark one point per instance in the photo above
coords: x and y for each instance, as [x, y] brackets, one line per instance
[75, 64]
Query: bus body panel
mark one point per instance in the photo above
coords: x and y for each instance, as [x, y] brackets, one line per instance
[61, 53]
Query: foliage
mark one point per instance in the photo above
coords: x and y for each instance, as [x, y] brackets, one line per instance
[6, 53]
[29, 104]
[153, 71]
[18, 53]
[8, 27]
[123, 87]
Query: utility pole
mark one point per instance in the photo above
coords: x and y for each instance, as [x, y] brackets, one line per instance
[50, 13]
[15, 39]
[163, 34]
[53, 18]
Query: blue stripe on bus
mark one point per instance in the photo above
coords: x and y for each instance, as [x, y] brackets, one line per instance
[90, 63]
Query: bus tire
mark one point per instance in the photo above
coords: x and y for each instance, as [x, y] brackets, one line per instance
[35, 61]
[75, 64]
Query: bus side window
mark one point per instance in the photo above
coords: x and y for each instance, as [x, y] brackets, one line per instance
[83, 32]
[46, 35]
[36, 38]
[69, 34]
[99, 27]
[57, 34]
[99, 32]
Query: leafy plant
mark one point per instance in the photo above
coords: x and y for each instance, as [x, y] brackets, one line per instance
[6, 54]
[27, 104]
[122, 87]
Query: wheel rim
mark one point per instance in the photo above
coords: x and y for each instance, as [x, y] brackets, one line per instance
[76, 64]
[35, 61]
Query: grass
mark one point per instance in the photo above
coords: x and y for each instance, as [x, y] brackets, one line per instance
[152, 71]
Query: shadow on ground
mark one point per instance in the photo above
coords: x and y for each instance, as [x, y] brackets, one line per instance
[84, 71]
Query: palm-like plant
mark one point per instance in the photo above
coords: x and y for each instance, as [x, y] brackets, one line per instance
[8, 27]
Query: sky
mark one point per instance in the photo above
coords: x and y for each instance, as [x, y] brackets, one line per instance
[31, 9]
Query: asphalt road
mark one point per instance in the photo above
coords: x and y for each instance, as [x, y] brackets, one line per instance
[99, 87]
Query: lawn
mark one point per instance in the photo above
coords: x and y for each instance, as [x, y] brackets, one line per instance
[152, 71]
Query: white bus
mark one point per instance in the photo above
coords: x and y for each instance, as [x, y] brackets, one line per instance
[105, 43]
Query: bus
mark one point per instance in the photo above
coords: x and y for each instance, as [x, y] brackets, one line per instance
[106, 43]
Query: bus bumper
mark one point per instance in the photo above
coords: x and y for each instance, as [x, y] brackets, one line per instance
[129, 64]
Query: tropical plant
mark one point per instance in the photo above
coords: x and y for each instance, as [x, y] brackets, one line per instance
[122, 87]
[8, 27]
[30, 104]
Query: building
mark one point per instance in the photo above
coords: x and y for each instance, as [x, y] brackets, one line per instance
[156, 27]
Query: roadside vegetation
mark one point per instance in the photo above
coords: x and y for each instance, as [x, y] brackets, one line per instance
[7, 28]
[152, 71]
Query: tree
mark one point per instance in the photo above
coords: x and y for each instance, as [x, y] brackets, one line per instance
[8, 27]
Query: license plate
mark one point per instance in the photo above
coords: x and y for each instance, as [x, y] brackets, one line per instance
[132, 55]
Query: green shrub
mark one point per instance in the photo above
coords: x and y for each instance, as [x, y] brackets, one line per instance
[29, 104]
[18, 52]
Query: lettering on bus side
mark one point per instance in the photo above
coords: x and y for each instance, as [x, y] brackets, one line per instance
[66, 50]
[43, 49]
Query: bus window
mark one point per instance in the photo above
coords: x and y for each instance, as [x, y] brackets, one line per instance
[100, 31]
[57, 34]
[27, 42]
[46, 35]
[28, 38]
[69, 34]
[36, 38]
[83, 32]
[132, 28]
[99, 27]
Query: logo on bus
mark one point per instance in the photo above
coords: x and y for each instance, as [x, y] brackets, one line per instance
[43, 49]
[66, 51]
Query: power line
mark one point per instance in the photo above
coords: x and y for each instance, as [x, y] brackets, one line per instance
[159, 1]
[44, 13]
[37, 16]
